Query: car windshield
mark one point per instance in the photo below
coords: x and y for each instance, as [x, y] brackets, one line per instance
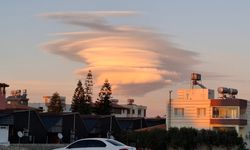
[115, 143]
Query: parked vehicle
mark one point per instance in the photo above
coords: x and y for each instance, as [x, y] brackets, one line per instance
[96, 144]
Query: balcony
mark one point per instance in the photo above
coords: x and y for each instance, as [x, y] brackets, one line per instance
[241, 122]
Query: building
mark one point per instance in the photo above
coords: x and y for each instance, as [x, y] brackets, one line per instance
[198, 108]
[44, 106]
[128, 110]
[18, 97]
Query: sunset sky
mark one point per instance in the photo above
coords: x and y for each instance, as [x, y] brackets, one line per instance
[145, 48]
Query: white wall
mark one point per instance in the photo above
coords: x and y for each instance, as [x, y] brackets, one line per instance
[4, 135]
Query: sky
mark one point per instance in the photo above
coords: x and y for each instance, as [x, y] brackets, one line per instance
[144, 48]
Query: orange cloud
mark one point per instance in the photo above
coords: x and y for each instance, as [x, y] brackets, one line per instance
[135, 60]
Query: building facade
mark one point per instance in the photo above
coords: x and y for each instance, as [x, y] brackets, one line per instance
[198, 108]
[128, 110]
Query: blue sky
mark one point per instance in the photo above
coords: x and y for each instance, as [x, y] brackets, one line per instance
[219, 31]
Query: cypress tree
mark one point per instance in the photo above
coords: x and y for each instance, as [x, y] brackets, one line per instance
[103, 103]
[55, 104]
[79, 101]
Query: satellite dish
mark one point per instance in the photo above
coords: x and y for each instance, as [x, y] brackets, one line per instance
[60, 136]
[20, 134]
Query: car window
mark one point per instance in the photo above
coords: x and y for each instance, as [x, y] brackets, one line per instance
[115, 143]
[96, 143]
[78, 144]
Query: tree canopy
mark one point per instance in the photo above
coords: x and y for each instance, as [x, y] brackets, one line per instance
[55, 104]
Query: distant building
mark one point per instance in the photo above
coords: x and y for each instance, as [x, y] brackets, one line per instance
[198, 108]
[18, 97]
[44, 106]
[128, 110]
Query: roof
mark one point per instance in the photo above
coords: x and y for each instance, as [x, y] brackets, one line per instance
[52, 123]
[6, 119]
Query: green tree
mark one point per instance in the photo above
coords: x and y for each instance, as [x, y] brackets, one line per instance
[55, 104]
[89, 86]
[103, 103]
[80, 103]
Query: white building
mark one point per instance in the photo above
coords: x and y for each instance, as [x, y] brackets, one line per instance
[44, 106]
[198, 108]
[128, 110]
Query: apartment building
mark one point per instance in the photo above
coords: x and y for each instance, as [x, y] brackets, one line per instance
[198, 107]
[128, 110]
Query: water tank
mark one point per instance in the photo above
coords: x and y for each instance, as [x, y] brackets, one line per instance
[232, 91]
[196, 76]
[131, 101]
[223, 90]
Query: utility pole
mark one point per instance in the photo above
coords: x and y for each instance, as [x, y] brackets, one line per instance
[169, 109]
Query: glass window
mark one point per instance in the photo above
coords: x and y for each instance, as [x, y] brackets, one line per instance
[78, 144]
[139, 112]
[87, 143]
[230, 112]
[201, 112]
[133, 111]
[128, 111]
[179, 112]
[96, 143]
[115, 143]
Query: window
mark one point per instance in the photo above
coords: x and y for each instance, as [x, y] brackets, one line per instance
[128, 111]
[115, 143]
[133, 111]
[226, 112]
[201, 112]
[179, 112]
[87, 143]
[139, 112]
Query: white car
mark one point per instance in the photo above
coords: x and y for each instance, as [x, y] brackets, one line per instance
[96, 144]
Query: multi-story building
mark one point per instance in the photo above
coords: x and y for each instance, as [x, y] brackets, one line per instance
[198, 108]
[128, 110]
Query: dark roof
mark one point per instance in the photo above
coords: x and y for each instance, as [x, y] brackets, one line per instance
[155, 121]
[52, 123]
[6, 119]
[129, 124]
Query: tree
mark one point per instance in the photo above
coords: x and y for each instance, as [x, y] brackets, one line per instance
[103, 103]
[89, 86]
[55, 104]
[80, 103]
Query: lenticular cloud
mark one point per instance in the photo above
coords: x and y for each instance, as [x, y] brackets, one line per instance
[135, 60]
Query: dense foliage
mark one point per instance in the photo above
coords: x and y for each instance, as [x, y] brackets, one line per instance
[103, 103]
[80, 101]
[183, 138]
[55, 104]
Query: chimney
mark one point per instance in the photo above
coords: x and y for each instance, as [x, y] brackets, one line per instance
[2, 94]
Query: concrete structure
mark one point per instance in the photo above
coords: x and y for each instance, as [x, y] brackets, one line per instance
[128, 110]
[198, 108]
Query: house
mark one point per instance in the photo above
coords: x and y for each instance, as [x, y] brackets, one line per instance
[197, 107]
[69, 125]
[25, 122]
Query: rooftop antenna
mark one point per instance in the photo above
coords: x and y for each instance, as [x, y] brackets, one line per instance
[196, 80]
